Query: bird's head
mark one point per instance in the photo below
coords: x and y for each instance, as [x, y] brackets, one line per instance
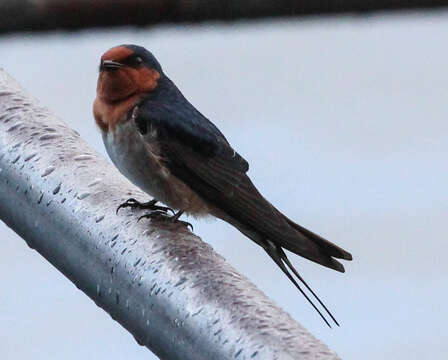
[127, 70]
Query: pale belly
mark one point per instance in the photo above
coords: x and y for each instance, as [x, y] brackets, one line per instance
[137, 158]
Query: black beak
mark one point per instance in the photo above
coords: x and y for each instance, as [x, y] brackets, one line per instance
[110, 65]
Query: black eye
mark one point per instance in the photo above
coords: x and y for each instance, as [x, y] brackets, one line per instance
[132, 60]
[135, 60]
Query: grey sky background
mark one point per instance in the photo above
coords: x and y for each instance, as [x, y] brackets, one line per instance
[344, 123]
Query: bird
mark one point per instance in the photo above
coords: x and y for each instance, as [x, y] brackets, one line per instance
[167, 148]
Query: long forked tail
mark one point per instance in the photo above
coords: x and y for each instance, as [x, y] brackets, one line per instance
[278, 255]
[260, 221]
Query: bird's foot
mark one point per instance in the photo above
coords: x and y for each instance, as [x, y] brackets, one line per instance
[150, 205]
[161, 215]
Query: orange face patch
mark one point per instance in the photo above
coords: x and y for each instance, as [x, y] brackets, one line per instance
[118, 84]
[121, 83]
[107, 115]
[148, 79]
[117, 54]
[121, 89]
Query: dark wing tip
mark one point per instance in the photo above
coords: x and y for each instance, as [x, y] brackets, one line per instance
[327, 248]
[336, 265]
[327, 261]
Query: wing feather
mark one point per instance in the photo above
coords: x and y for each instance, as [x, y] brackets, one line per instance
[196, 152]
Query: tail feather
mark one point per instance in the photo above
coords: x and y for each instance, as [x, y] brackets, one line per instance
[285, 234]
[293, 269]
[277, 254]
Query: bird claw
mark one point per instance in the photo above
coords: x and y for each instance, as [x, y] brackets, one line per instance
[157, 214]
[154, 214]
[184, 223]
[150, 205]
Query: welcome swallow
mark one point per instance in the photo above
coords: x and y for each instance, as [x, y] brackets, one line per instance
[166, 147]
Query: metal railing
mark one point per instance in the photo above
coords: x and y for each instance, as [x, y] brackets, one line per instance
[172, 292]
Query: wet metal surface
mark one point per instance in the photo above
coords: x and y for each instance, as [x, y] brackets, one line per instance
[161, 282]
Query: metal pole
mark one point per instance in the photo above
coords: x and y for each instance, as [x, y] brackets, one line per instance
[169, 289]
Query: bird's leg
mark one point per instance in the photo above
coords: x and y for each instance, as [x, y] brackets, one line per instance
[163, 216]
[150, 205]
